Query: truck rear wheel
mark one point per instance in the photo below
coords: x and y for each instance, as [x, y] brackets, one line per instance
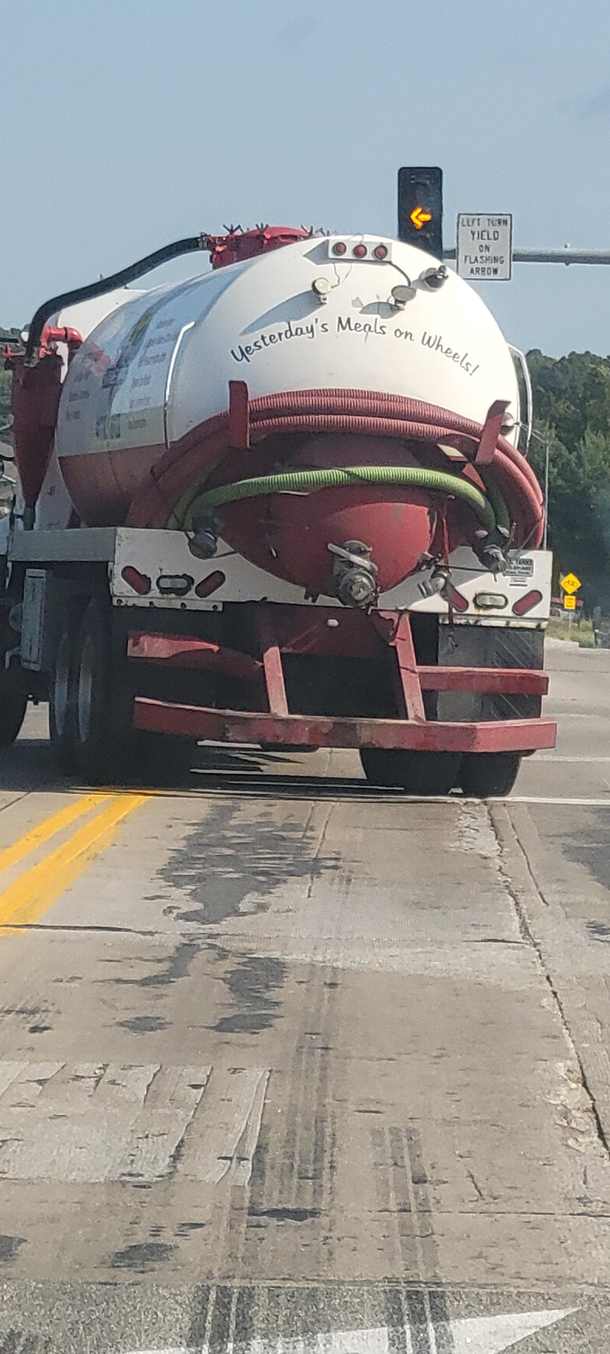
[419, 773]
[164, 759]
[13, 705]
[103, 734]
[484, 775]
[62, 695]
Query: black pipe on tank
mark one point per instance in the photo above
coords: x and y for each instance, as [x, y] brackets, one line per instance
[105, 284]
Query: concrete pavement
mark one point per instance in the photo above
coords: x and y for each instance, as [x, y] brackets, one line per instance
[287, 1062]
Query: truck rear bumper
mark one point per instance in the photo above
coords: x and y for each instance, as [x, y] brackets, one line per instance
[236, 726]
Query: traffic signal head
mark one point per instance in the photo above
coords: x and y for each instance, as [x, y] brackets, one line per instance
[420, 208]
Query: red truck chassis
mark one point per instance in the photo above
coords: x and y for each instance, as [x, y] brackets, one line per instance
[408, 729]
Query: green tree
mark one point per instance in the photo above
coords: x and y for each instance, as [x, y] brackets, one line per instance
[12, 338]
[572, 402]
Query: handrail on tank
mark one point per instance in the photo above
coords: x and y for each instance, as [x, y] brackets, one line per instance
[190, 245]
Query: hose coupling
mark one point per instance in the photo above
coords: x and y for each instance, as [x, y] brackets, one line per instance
[491, 547]
[354, 574]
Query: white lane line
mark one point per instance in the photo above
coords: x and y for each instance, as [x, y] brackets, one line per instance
[473, 1335]
[553, 799]
[560, 715]
[552, 757]
[86, 1123]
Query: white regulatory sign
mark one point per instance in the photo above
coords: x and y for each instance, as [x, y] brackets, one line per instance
[484, 247]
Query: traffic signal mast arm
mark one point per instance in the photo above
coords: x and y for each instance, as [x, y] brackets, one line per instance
[565, 255]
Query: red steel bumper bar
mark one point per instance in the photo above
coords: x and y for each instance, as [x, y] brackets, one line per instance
[188, 652]
[234, 726]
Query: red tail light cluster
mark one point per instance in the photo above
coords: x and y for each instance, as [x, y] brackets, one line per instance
[359, 250]
[139, 582]
[455, 599]
[527, 603]
[211, 583]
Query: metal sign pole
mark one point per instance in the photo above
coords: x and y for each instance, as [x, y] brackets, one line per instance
[566, 255]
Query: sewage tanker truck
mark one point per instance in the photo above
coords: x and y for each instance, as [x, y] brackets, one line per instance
[280, 504]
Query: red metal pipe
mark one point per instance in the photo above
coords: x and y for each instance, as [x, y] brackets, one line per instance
[53, 333]
[35, 398]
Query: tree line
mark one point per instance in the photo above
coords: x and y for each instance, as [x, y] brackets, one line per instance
[572, 409]
[12, 338]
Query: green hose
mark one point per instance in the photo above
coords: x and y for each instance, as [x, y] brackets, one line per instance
[495, 496]
[309, 481]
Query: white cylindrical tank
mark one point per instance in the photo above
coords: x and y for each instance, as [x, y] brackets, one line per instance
[300, 318]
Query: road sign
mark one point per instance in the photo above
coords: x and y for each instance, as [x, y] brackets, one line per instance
[569, 602]
[570, 583]
[485, 247]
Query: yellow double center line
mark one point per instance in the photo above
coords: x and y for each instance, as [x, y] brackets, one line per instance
[24, 901]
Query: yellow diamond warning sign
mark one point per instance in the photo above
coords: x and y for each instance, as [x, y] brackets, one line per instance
[570, 583]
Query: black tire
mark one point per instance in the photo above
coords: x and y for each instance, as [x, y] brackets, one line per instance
[62, 694]
[485, 775]
[104, 739]
[164, 759]
[13, 705]
[418, 773]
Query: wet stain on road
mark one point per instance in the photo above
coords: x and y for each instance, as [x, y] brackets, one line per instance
[589, 845]
[285, 1214]
[144, 1024]
[222, 862]
[142, 1257]
[9, 1247]
[251, 984]
[177, 966]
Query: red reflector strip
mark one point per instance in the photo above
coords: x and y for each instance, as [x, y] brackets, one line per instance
[211, 583]
[525, 604]
[455, 599]
[139, 582]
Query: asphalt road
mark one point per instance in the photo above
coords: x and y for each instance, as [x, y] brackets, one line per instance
[290, 1065]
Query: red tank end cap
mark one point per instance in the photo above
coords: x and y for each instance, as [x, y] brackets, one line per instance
[246, 244]
[34, 401]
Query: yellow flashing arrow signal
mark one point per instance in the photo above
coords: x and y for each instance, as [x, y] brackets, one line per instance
[419, 217]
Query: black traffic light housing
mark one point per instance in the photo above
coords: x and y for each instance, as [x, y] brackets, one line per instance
[420, 208]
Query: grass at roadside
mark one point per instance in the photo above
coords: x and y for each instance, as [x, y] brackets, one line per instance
[579, 634]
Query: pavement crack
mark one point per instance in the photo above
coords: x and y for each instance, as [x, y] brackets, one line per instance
[535, 945]
[476, 1185]
[48, 926]
[314, 870]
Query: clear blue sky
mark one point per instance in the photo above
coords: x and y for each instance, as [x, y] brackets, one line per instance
[126, 125]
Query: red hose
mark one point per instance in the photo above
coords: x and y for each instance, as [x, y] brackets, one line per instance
[192, 459]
